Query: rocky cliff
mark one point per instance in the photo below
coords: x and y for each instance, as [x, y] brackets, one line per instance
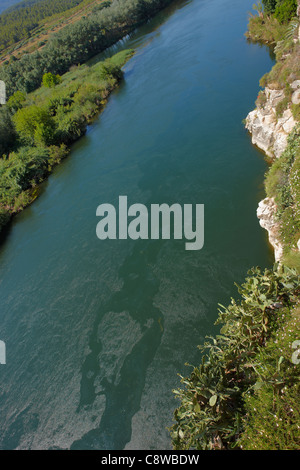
[266, 212]
[269, 132]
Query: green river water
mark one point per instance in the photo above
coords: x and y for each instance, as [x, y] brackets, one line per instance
[96, 332]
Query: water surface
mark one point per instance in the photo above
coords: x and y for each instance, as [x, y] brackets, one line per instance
[96, 332]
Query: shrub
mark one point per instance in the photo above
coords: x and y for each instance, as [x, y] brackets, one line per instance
[34, 125]
[50, 80]
[261, 99]
[283, 184]
[22, 200]
[267, 29]
[296, 111]
[282, 106]
[285, 10]
[212, 402]
[4, 217]
[44, 123]
[269, 5]
[7, 131]
[272, 415]
[16, 101]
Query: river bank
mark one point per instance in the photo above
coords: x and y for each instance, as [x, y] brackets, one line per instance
[47, 122]
[97, 331]
[77, 43]
[274, 128]
[244, 393]
[36, 130]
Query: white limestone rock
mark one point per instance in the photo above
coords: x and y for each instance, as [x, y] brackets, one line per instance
[296, 97]
[267, 131]
[266, 212]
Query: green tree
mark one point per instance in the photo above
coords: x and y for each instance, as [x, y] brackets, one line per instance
[269, 5]
[16, 101]
[7, 131]
[34, 125]
[50, 80]
[212, 401]
[285, 10]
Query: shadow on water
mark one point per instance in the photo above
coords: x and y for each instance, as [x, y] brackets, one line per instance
[113, 388]
[270, 48]
[123, 396]
[136, 37]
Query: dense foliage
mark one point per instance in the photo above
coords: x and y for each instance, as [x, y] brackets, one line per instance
[272, 21]
[282, 181]
[8, 4]
[283, 184]
[18, 23]
[245, 394]
[213, 411]
[18, 5]
[272, 418]
[283, 10]
[269, 5]
[7, 131]
[50, 80]
[77, 42]
[36, 129]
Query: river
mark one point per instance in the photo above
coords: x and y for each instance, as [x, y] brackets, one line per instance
[97, 332]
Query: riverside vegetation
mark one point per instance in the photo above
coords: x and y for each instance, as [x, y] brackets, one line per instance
[282, 183]
[245, 394]
[27, 26]
[20, 21]
[38, 128]
[53, 97]
[78, 42]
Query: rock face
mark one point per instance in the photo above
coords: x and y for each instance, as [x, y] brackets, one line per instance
[268, 132]
[296, 94]
[266, 214]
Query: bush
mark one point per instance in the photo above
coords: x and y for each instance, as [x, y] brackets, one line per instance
[285, 10]
[78, 42]
[4, 217]
[283, 184]
[272, 408]
[16, 101]
[267, 29]
[282, 106]
[47, 120]
[269, 5]
[261, 99]
[50, 80]
[34, 125]
[212, 402]
[296, 111]
[7, 131]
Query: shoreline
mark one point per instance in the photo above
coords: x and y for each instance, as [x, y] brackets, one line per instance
[11, 206]
[63, 148]
[272, 125]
